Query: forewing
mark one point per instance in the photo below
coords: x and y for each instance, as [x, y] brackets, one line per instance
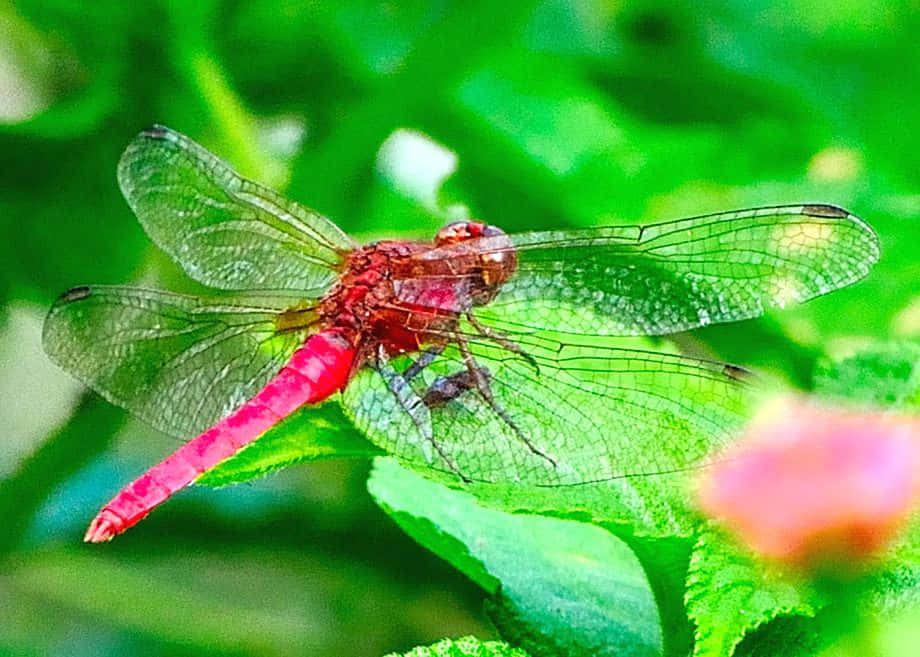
[674, 276]
[587, 414]
[178, 362]
[224, 230]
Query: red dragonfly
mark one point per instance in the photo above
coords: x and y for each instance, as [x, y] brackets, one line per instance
[481, 354]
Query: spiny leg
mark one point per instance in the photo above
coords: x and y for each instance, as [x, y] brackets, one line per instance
[415, 407]
[426, 359]
[485, 389]
[502, 340]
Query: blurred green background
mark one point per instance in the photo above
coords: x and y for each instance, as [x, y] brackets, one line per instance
[390, 118]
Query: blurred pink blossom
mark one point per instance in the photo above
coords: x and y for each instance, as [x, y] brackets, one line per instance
[810, 484]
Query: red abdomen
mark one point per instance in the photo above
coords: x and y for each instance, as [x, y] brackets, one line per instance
[316, 371]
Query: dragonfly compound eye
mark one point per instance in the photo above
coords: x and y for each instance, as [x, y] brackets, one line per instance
[497, 262]
[487, 252]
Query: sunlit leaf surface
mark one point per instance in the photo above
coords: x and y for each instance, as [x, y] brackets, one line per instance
[566, 587]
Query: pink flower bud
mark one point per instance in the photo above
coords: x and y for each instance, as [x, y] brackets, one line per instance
[810, 484]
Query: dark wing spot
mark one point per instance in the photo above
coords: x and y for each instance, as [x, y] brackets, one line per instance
[831, 211]
[737, 373]
[75, 294]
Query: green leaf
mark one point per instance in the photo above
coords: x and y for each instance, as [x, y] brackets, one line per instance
[626, 426]
[729, 594]
[785, 636]
[857, 615]
[310, 434]
[468, 646]
[665, 561]
[886, 375]
[897, 588]
[567, 588]
[652, 506]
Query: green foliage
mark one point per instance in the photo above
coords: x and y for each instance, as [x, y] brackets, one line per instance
[886, 375]
[566, 587]
[468, 646]
[897, 587]
[745, 607]
[729, 594]
[561, 115]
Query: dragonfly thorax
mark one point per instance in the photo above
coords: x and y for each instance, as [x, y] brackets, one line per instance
[405, 294]
[365, 302]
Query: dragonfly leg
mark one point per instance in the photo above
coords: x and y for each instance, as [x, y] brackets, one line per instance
[423, 361]
[416, 408]
[502, 340]
[481, 381]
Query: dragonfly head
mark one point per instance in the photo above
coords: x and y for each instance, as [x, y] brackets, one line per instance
[461, 231]
[493, 250]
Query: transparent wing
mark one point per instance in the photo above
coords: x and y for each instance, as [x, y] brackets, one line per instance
[587, 414]
[674, 276]
[224, 230]
[178, 362]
